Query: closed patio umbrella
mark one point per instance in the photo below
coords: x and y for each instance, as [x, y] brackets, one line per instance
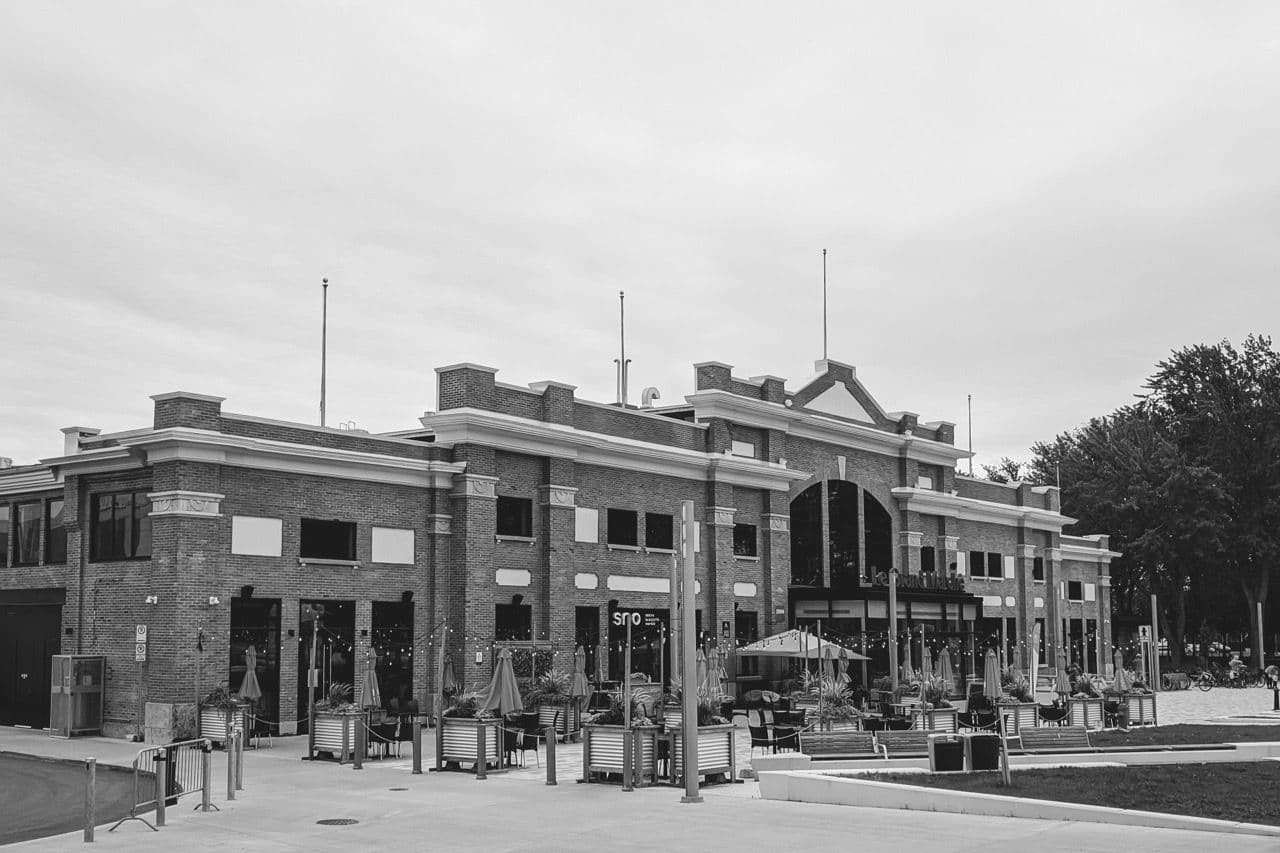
[1061, 683]
[449, 678]
[370, 695]
[578, 688]
[945, 670]
[503, 694]
[700, 673]
[1122, 681]
[991, 676]
[926, 660]
[829, 665]
[249, 687]
[842, 662]
[719, 676]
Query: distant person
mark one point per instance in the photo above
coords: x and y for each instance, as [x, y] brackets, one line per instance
[1236, 665]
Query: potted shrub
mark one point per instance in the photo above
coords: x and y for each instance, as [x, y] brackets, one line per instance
[1085, 706]
[603, 737]
[333, 723]
[222, 714]
[1141, 704]
[1018, 706]
[716, 754]
[936, 712]
[882, 695]
[462, 727]
[549, 695]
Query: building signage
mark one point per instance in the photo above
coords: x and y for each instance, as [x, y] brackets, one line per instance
[926, 581]
[139, 652]
[140, 634]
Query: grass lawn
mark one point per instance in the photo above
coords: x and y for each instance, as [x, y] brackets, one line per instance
[1167, 735]
[1239, 791]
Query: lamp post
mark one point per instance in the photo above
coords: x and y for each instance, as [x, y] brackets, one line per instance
[689, 694]
[893, 630]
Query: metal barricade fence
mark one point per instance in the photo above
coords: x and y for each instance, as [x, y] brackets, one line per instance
[184, 768]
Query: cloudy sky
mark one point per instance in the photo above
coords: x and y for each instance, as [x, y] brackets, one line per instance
[1026, 203]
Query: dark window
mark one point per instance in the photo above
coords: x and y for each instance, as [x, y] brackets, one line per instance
[806, 537]
[928, 560]
[746, 627]
[977, 564]
[744, 540]
[586, 623]
[842, 530]
[995, 566]
[121, 527]
[513, 622]
[1037, 568]
[1075, 591]
[623, 524]
[515, 516]
[26, 543]
[4, 534]
[328, 540]
[658, 530]
[55, 534]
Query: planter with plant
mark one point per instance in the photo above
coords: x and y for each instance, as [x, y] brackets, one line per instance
[604, 737]
[1141, 703]
[936, 713]
[1085, 707]
[716, 754]
[1018, 706]
[333, 723]
[222, 714]
[462, 727]
[549, 696]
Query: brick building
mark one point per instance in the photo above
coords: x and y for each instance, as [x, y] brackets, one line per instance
[525, 516]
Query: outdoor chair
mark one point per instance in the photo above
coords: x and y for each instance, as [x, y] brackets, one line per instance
[897, 724]
[1052, 716]
[873, 724]
[760, 738]
[786, 738]
[977, 720]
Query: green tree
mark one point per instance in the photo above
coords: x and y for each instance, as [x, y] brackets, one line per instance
[1004, 471]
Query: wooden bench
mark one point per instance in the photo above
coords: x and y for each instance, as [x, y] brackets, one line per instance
[840, 744]
[1056, 739]
[893, 744]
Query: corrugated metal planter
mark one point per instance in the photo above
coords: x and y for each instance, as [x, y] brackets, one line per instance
[334, 732]
[1142, 709]
[602, 750]
[672, 715]
[570, 717]
[214, 725]
[458, 740]
[1020, 715]
[1085, 712]
[716, 752]
[937, 720]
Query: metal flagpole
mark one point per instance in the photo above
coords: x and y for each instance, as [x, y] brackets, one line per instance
[324, 345]
[970, 435]
[824, 304]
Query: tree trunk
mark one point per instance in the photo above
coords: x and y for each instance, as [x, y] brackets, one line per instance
[1255, 593]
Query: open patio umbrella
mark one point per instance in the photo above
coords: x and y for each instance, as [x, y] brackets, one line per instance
[249, 687]
[370, 695]
[842, 662]
[793, 644]
[503, 694]
[991, 676]
[578, 687]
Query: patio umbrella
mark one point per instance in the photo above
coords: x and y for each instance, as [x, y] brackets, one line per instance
[503, 694]
[1061, 683]
[926, 660]
[718, 673]
[1122, 681]
[449, 678]
[249, 687]
[370, 695]
[829, 665]
[842, 676]
[945, 670]
[578, 688]
[793, 644]
[991, 676]
[700, 673]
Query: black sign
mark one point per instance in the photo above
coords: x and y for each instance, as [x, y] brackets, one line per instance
[927, 581]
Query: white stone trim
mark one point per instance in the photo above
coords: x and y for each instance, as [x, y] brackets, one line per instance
[476, 486]
[745, 590]
[972, 509]
[559, 497]
[722, 516]
[17, 481]
[776, 522]
[586, 580]
[187, 395]
[1053, 555]
[440, 524]
[182, 502]
[513, 577]
[1085, 554]
[949, 543]
[911, 539]
[466, 365]
[640, 583]
[1026, 552]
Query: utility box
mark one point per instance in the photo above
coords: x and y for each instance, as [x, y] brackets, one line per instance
[946, 753]
[982, 751]
[75, 700]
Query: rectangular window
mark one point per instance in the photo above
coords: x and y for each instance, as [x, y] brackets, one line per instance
[744, 541]
[586, 625]
[26, 542]
[1037, 568]
[513, 622]
[659, 531]
[515, 516]
[746, 629]
[322, 539]
[120, 527]
[995, 566]
[55, 533]
[623, 524]
[4, 535]
[928, 559]
[1075, 591]
[977, 564]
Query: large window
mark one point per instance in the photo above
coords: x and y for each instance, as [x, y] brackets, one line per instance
[4, 534]
[121, 527]
[1037, 568]
[995, 565]
[513, 622]
[55, 533]
[659, 531]
[744, 540]
[26, 543]
[322, 539]
[977, 564]
[928, 559]
[515, 516]
[1075, 591]
[623, 524]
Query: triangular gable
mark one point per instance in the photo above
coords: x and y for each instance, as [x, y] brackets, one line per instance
[838, 401]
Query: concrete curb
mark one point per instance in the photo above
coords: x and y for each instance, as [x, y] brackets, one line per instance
[812, 787]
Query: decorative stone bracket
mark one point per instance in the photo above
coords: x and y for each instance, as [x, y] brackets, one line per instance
[776, 522]
[722, 516]
[180, 502]
[559, 497]
[912, 539]
[475, 486]
[440, 525]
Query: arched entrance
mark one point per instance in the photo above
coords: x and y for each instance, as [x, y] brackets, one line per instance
[840, 534]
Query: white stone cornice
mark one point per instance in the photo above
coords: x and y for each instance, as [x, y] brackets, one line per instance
[1053, 555]
[97, 460]
[971, 509]
[714, 403]
[187, 395]
[197, 445]
[777, 522]
[559, 497]
[475, 486]
[15, 481]
[722, 516]
[539, 438]
[1085, 554]
[183, 502]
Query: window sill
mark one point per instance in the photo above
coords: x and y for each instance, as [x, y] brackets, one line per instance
[659, 550]
[612, 547]
[503, 537]
[326, 561]
[746, 559]
[1037, 580]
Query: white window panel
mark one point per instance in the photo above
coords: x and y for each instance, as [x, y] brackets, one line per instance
[586, 580]
[924, 482]
[1008, 567]
[256, 537]
[586, 524]
[1090, 592]
[512, 577]
[742, 448]
[392, 545]
[961, 559]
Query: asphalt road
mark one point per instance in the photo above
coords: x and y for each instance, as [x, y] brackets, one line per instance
[41, 796]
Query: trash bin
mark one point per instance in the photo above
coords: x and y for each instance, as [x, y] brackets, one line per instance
[946, 753]
[982, 751]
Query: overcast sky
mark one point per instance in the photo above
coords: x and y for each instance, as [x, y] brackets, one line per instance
[1026, 204]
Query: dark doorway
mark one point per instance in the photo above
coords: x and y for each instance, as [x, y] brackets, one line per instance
[256, 622]
[331, 627]
[806, 538]
[393, 644]
[29, 638]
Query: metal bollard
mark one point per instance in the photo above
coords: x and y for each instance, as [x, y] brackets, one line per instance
[482, 751]
[229, 749]
[206, 776]
[239, 761]
[357, 760]
[551, 756]
[417, 747]
[162, 793]
[627, 759]
[90, 796]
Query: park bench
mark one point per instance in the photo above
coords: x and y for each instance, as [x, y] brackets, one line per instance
[894, 744]
[1056, 739]
[841, 744]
